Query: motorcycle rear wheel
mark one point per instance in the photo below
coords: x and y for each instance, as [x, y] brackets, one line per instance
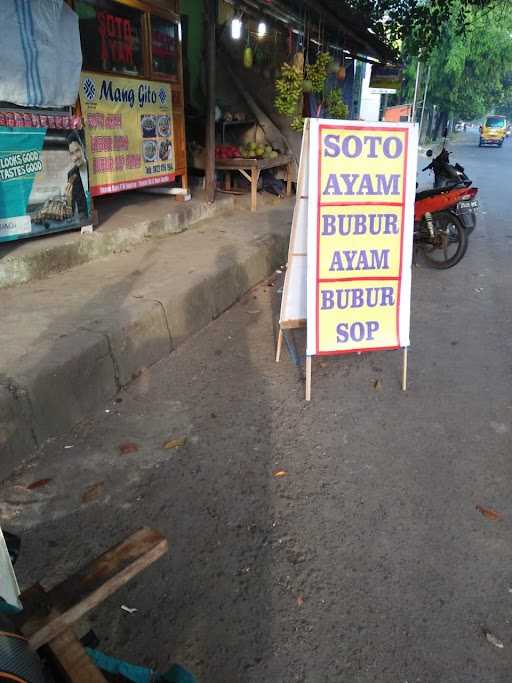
[450, 241]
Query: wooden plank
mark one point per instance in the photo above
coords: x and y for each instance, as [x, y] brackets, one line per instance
[71, 658]
[234, 164]
[248, 164]
[292, 324]
[404, 370]
[281, 160]
[106, 567]
[86, 589]
[271, 131]
[308, 378]
[245, 174]
[279, 345]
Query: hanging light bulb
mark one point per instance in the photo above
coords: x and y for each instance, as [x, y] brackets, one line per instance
[262, 29]
[236, 28]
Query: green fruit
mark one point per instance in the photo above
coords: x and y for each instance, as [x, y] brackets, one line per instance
[248, 58]
[252, 145]
[274, 154]
[260, 151]
[307, 86]
[268, 148]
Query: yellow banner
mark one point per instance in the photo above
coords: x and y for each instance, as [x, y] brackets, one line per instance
[128, 132]
[361, 215]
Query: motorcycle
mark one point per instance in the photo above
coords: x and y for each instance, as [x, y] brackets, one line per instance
[445, 215]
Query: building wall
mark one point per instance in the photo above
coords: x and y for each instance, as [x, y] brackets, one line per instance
[370, 102]
[399, 113]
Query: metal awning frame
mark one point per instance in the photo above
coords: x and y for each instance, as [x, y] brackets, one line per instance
[343, 37]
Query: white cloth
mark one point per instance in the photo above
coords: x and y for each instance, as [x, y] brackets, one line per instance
[84, 177]
[40, 53]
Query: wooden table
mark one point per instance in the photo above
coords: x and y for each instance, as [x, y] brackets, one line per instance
[251, 169]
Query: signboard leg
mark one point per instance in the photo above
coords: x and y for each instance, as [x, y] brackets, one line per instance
[404, 370]
[279, 345]
[308, 378]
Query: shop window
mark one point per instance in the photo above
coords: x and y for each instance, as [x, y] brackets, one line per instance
[164, 48]
[111, 37]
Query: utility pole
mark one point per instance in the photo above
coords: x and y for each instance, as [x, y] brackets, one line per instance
[413, 111]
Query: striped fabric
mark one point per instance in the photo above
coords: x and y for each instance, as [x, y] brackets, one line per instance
[40, 53]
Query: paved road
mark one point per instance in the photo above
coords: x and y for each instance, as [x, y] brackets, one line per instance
[368, 562]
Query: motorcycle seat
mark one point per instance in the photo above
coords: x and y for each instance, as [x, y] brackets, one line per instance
[431, 192]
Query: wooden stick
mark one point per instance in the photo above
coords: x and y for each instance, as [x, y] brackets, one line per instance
[94, 583]
[279, 345]
[289, 179]
[73, 660]
[308, 378]
[404, 370]
[61, 622]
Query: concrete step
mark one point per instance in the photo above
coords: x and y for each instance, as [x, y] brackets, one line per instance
[72, 341]
[127, 221]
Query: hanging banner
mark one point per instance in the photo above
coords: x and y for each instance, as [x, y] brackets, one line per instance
[386, 79]
[43, 182]
[128, 132]
[360, 231]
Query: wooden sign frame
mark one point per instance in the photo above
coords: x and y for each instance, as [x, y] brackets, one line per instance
[303, 270]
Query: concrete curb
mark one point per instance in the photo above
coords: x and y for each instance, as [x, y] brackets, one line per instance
[88, 367]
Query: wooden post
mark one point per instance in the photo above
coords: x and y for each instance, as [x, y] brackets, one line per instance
[279, 345]
[255, 174]
[404, 370]
[308, 378]
[210, 14]
[289, 179]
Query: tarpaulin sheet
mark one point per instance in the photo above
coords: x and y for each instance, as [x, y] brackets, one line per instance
[40, 53]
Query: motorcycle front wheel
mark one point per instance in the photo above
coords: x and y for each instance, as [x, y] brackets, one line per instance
[449, 243]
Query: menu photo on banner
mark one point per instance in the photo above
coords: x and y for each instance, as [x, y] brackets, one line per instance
[128, 128]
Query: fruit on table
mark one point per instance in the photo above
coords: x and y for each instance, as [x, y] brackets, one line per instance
[227, 152]
[253, 150]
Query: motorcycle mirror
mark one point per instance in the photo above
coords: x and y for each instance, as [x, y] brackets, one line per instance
[429, 152]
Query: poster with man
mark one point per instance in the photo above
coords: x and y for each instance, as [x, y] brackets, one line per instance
[44, 182]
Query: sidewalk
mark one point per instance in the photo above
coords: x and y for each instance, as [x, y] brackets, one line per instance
[126, 221]
[72, 341]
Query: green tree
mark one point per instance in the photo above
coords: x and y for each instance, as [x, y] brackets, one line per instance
[470, 71]
[421, 22]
